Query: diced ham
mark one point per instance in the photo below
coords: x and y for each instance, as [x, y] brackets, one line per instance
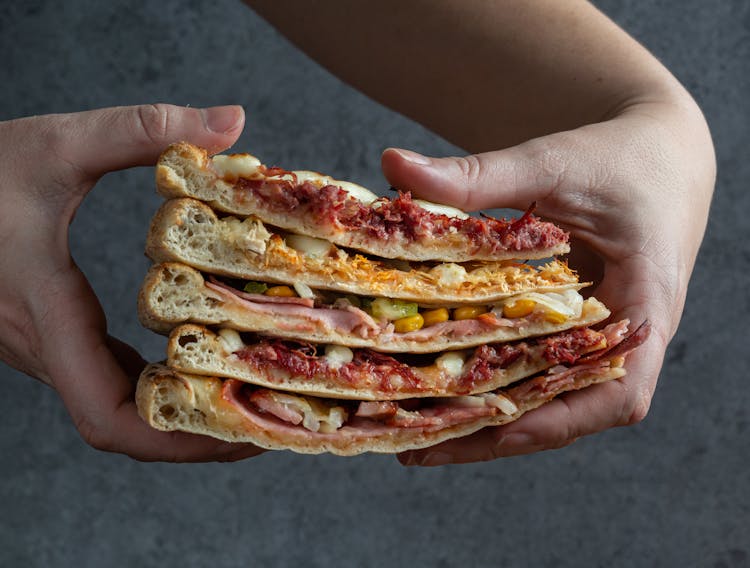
[620, 345]
[266, 401]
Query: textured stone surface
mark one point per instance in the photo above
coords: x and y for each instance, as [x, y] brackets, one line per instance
[672, 491]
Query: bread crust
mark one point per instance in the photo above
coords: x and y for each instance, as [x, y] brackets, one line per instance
[195, 349]
[173, 294]
[169, 400]
[185, 170]
[188, 231]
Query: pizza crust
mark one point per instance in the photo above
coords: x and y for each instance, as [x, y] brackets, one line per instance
[188, 231]
[169, 400]
[173, 294]
[185, 170]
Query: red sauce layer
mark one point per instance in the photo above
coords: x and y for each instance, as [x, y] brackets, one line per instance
[401, 216]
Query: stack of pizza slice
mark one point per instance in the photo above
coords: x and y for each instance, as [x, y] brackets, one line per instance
[306, 313]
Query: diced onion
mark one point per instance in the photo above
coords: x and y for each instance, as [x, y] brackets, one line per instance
[467, 401]
[502, 403]
[336, 417]
[303, 290]
[308, 245]
[311, 422]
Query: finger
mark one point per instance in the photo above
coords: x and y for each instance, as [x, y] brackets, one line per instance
[110, 139]
[576, 161]
[96, 390]
[566, 418]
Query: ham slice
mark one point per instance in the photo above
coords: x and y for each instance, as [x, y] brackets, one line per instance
[261, 298]
[351, 320]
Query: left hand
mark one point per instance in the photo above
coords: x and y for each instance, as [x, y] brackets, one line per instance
[52, 326]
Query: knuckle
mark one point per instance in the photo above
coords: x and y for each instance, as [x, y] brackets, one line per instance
[638, 410]
[153, 121]
[550, 162]
[473, 169]
[636, 404]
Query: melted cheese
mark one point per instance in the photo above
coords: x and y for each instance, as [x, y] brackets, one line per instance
[230, 339]
[451, 363]
[338, 355]
[233, 166]
[310, 246]
[440, 209]
[449, 274]
[250, 234]
[316, 416]
[356, 191]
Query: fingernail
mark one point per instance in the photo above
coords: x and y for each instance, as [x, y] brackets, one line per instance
[222, 119]
[436, 458]
[412, 157]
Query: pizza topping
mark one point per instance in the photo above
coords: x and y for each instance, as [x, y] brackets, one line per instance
[310, 246]
[338, 355]
[254, 287]
[233, 166]
[432, 317]
[440, 209]
[502, 403]
[312, 413]
[349, 208]
[303, 290]
[249, 234]
[451, 363]
[459, 372]
[386, 317]
[231, 340]
[383, 308]
[556, 307]
[449, 273]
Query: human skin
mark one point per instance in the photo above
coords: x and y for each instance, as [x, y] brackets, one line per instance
[52, 326]
[561, 108]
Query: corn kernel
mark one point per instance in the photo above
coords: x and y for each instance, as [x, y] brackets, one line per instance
[409, 323]
[519, 308]
[281, 292]
[555, 317]
[469, 312]
[431, 317]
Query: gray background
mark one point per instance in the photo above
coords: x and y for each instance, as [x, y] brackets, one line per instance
[672, 491]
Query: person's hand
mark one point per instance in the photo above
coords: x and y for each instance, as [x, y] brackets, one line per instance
[634, 193]
[51, 324]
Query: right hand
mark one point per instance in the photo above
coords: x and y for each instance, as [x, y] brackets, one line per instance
[634, 192]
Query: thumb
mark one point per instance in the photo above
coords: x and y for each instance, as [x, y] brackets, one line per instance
[99, 141]
[514, 177]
